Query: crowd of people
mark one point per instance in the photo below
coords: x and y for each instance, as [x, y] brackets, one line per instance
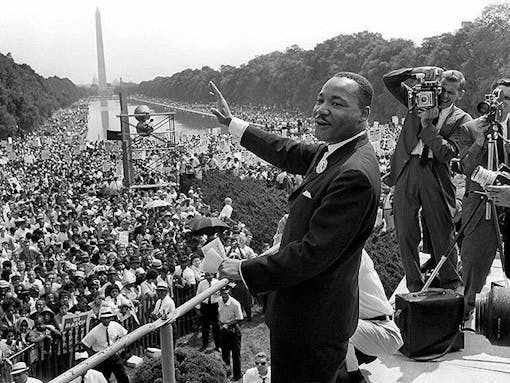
[74, 240]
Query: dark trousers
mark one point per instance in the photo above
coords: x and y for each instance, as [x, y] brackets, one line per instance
[243, 296]
[210, 319]
[116, 366]
[292, 362]
[478, 250]
[416, 188]
[231, 342]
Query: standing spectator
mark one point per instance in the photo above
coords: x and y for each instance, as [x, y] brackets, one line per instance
[102, 336]
[19, 373]
[209, 312]
[164, 305]
[230, 315]
[226, 212]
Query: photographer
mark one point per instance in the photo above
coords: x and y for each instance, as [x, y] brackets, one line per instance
[420, 170]
[480, 242]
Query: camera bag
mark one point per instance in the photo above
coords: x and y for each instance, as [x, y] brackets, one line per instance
[429, 322]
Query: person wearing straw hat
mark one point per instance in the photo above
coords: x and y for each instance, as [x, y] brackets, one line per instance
[101, 337]
[19, 373]
[165, 304]
[91, 376]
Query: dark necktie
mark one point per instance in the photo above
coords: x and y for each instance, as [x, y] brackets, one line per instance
[263, 378]
[209, 300]
[83, 379]
[425, 152]
[107, 337]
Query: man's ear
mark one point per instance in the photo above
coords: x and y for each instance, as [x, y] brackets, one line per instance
[461, 94]
[365, 112]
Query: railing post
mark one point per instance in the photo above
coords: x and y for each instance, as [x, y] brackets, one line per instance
[167, 353]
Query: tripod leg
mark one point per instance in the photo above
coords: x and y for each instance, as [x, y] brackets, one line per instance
[447, 252]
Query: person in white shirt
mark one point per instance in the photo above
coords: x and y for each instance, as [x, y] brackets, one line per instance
[261, 373]
[230, 315]
[102, 336]
[226, 212]
[91, 376]
[164, 305]
[376, 333]
[209, 312]
[19, 373]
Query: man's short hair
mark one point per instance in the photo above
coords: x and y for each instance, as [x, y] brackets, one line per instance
[366, 91]
[499, 82]
[261, 354]
[453, 75]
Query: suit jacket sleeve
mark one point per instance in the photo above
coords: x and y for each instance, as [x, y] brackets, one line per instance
[444, 149]
[333, 227]
[471, 154]
[284, 153]
[394, 82]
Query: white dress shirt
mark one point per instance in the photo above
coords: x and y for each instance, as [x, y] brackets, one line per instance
[164, 306]
[230, 311]
[96, 338]
[252, 376]
[204, 285]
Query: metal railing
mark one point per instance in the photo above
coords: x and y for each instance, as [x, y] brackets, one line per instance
[166, 334]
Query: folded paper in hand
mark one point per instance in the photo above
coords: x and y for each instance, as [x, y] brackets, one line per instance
[211, 262]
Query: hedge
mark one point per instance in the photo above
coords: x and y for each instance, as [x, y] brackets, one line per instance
[260, 207]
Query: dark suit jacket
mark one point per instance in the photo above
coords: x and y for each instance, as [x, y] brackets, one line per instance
[443, 144]
[313, 280]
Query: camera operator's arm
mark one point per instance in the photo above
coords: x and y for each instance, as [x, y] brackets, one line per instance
[500, 194]
[444, 149]
[394, 80]
[471, 144]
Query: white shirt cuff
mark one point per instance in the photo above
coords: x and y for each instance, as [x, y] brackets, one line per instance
[241, 274]
[237, 127]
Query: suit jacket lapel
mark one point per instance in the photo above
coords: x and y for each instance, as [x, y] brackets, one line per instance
[339, 155]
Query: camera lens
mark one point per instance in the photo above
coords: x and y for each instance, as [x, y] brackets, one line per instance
[493, 315]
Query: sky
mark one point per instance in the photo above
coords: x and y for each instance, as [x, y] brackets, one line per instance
[148, 38]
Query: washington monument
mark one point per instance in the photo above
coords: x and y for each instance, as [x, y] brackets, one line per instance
[101, 72]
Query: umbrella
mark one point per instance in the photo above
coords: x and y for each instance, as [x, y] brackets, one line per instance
[156, 203]
[206, 225]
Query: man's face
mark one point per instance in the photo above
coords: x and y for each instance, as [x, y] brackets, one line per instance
[506, 99]
[337, 113]
[261, 363]
[20, 378]
[450, 93]
[105, 321]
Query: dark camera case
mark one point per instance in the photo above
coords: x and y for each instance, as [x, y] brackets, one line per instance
[429, 321]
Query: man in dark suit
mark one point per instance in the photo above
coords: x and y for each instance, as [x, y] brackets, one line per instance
[420, 172]
[312, 281]
[480, 241]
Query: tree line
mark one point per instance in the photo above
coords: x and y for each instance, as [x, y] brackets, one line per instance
[27, 99]
[290, 80]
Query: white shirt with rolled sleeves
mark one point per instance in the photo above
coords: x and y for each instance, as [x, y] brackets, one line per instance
[204, 285]
[166, 306]
[230, 311]
[96, 338]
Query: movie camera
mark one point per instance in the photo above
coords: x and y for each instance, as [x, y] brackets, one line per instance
[142, 115]
[424, 94]
[492, 106]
